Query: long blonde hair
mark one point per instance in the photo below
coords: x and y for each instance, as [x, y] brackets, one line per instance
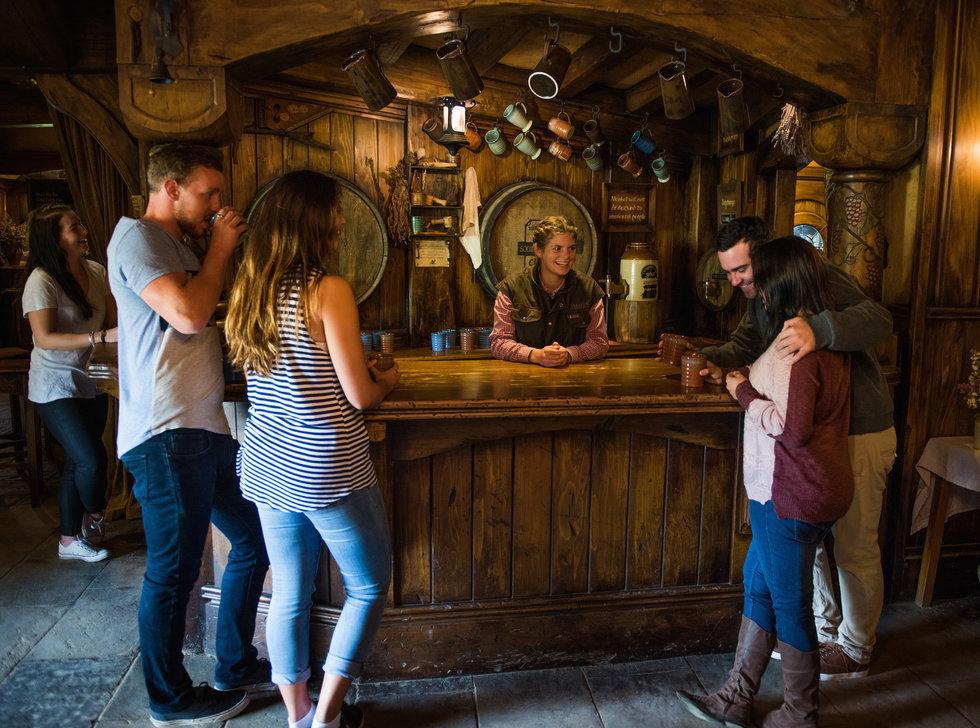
[288, 245]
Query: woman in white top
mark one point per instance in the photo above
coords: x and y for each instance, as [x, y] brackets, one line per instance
[67, 302]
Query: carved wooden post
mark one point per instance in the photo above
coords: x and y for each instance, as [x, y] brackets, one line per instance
[860, 144]
[855, 227]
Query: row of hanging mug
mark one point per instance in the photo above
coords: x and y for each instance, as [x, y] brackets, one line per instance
[527, 143]
[642, 145]
[560, 125]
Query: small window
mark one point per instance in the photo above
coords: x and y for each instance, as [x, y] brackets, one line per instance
[810, 233]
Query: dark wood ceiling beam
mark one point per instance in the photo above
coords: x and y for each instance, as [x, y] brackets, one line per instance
[487, 46]
[391, 52]
[593, 62]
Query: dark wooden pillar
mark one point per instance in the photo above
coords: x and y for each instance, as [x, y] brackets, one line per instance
[861, 144]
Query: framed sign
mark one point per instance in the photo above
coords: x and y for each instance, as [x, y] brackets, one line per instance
[729, 201]
[627, 208]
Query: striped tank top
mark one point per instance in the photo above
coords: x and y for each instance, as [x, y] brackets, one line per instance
[305, 445]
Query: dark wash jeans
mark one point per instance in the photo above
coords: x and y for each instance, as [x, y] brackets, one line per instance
[778, 575]
[77, 424]
[185, 479]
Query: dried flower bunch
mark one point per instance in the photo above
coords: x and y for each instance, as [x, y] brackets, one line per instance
[970, 389]
[13, 240]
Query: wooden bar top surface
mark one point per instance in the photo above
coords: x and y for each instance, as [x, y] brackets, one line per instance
[473, 384]
[488, 387]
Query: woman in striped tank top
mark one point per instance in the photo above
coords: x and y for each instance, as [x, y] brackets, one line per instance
[292, 324]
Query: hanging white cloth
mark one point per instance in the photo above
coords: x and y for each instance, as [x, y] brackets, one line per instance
[470, 237]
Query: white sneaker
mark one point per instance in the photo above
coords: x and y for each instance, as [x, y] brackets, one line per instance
[83, 550]
[93, 530]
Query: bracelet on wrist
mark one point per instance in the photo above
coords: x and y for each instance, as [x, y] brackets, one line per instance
[91, 338]
[102, 336]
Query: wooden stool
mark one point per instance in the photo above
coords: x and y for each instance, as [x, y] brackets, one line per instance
[24, 443]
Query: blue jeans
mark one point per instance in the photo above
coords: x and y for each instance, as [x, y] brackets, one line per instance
[355, 530]
[185, 479]
[77, 424]
[778, 575]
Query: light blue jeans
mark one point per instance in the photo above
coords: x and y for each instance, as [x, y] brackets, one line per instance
[355, 530]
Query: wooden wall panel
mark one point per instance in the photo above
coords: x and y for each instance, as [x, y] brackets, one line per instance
[532, 514]
[944, 317]
[716, 517]
[492, 519]
[452, 526]
[570, 513]
[682, 522]
[410, 537]
[610, 506]
[563, 513]
[645, 529]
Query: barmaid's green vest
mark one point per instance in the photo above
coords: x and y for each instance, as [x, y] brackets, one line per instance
[541, 320]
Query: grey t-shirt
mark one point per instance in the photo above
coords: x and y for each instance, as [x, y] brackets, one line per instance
[167, 380]
[61, 374]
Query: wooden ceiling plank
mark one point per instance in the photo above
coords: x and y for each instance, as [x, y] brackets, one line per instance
[487, 46]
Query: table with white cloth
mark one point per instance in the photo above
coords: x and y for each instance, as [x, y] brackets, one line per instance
[949, 472]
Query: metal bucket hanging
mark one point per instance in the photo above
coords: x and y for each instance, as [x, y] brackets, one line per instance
[365, 72]
[545, 80]
[673, 88]
[733, 114]
[459, 70]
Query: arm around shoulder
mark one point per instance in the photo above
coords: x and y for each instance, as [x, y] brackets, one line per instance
[860, 322]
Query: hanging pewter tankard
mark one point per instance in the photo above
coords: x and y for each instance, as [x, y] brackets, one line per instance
[365, 72]
[673, 88]
[545, 80]
[460, 73]
[732, 111]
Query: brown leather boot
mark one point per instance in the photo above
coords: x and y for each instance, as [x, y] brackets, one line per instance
[801, 675]
[732, 704]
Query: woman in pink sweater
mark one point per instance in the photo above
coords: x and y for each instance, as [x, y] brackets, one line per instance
[798, 479]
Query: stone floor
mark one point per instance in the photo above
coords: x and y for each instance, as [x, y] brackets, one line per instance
[69, 658]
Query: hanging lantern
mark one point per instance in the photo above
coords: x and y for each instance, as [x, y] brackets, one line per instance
[453, 135]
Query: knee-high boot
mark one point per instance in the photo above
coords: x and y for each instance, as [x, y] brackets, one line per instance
[732, 704]
[801, 675]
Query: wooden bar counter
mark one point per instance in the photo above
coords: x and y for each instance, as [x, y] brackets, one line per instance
[544, 517]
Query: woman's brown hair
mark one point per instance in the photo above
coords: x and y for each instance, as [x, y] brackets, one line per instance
[288, 245]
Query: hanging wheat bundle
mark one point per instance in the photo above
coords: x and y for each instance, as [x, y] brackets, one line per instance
[790, 135]
[397, 207]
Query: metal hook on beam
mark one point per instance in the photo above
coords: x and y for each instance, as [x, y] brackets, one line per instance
[683, 51]
[738, 71]
[557, 28]
[619, 36]
[779, 91]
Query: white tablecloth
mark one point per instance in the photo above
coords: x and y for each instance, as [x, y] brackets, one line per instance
[952, 459]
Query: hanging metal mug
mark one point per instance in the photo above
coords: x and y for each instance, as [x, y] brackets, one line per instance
[365, 72]
[593, 132]
[733, 114]
[460, 73]
[673, 88]
[545, 80]
[433, 128]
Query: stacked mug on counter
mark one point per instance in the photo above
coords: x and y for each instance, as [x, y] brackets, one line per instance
[691, 362]
[379, 347]
[469, 339]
